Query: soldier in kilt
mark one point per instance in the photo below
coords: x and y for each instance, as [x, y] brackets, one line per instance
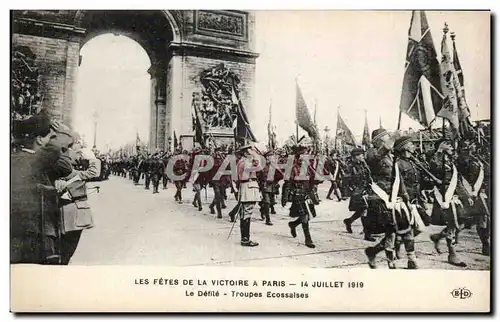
[449, 200]
[475, 175]
[267, 188]
[359, 177]
[387, 212]
[180, 168]
[300, 193]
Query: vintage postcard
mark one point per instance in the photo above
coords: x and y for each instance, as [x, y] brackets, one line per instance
[250, 161]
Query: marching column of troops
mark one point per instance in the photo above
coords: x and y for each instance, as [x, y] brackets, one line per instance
[392, 188]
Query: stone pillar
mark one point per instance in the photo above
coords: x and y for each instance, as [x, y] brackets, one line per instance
[152, 116]
[161, 106]
[158, 116]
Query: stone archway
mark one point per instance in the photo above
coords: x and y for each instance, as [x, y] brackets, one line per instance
[182, 45]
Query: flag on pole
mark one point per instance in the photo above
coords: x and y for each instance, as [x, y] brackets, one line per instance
[366, 133]
[302, 114]
[465, 124]
[343, 133]
[421, 96]
[449, 109]
[242, 129]
[198, 131]
[270, 132]
[176, 143]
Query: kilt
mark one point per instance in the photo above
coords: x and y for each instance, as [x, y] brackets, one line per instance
[357, 202]
[299, 209]
[443, 217]
[378, 217]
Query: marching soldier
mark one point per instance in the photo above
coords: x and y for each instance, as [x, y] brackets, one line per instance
[384, 206]
[475, 181]
[411, 175]
[199, 181]
[300, 193]
[146, 169]
[216, 184]
[334, 166]
[157, 168]
[180, 168]
[359, 177]
[248, 194]
[448, 203]
[267, 188]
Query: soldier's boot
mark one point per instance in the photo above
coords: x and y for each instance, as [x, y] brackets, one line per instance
[273, 212]
[329, 194]
[211, 207]
[484, 237]
[348, 223]
[338, 194]
[219, 211]
[452, 255]
[371, 253]
[200, 208]
[180, 196]
[245, 234]
[176, 196]
[223, 204]
[390, 259]
[307, 234]
[397, 247]
[412, 261]
[262, 211]
[436, 238]
[366, 231]
[265, 212]
[293, 227]
[410, 253]
[233, 212]
[195, 201]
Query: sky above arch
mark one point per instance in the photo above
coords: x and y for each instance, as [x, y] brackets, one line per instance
[354, 60]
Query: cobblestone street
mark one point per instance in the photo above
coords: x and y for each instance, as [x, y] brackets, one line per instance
[137, 227]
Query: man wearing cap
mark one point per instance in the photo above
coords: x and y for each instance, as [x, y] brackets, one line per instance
[449, 199]
[334, 166]
[157, 169]
[475, 180]
[248, 193]
[300, 192]
[267, 187]
[35, 166]
[216, 184]
[381, 163]
[404, 149]
[359, 178]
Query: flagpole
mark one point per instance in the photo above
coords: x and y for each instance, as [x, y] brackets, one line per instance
[399, 120]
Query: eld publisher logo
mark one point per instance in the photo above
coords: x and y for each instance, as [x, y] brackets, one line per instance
[461, 293]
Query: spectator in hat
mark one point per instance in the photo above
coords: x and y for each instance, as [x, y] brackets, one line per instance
[35, 166]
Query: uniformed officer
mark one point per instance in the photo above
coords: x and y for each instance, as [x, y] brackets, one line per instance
[359, 179]
[248, 193]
